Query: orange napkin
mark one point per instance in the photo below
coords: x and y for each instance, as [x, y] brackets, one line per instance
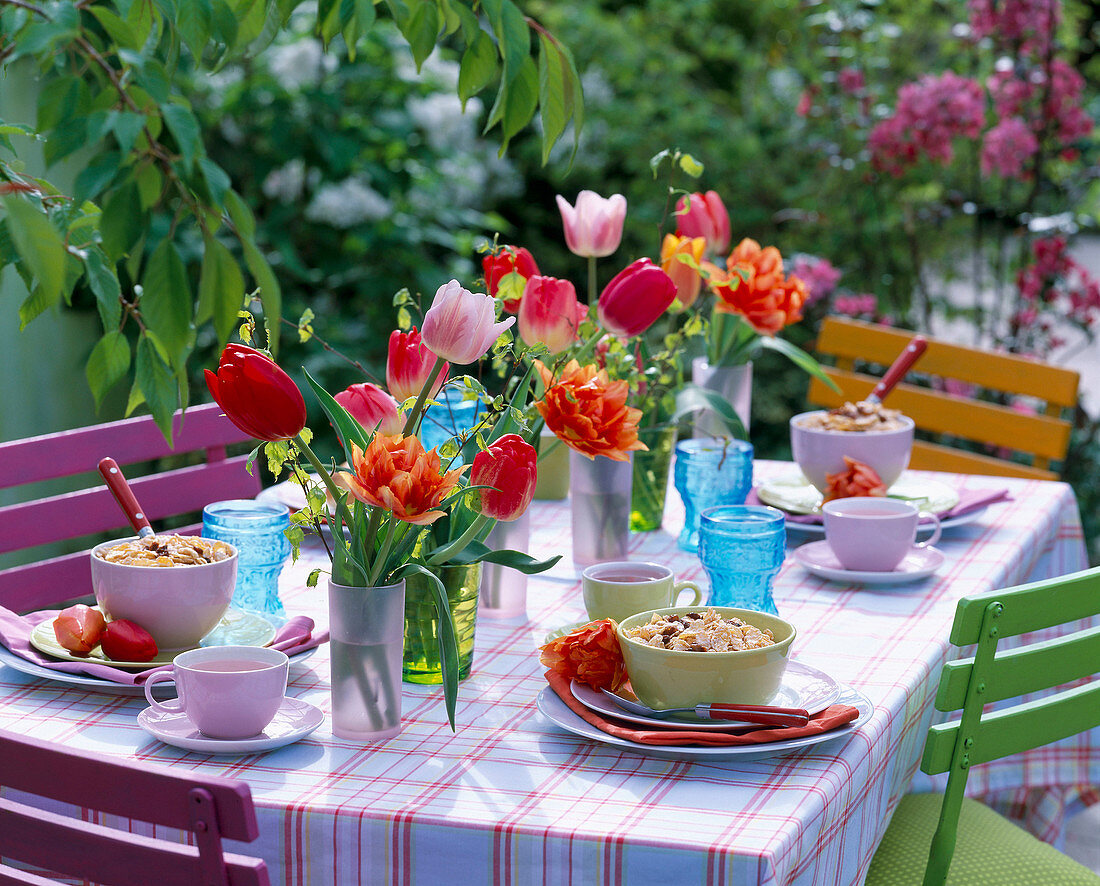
[824, 721]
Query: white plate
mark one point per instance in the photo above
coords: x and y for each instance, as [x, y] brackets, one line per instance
[557, 712]
[802, 687]
[294, 720]
[817, 557]
[236, 628]
[794, 494]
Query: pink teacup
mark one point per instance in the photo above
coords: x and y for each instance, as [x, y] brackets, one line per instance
[873, 534]
[226, 691]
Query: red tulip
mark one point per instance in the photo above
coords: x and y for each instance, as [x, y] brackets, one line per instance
[123, 640]
[705, 215]
[257, 396]
[372, 407]
[500, 267]
[509, 466]
[407, 366]
[635, 298]
[550, 313]
[78, 628]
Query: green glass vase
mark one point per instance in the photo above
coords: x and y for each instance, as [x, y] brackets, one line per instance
[647, 498]
[420, 660]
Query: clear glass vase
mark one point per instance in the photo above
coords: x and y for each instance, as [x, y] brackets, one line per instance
[650, 481]
[599, 492]
[732, 382]
[420, 662]
[365, 660]
[504, 590]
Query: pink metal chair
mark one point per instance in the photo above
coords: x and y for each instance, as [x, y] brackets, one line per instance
[92, 510]
[209, 808]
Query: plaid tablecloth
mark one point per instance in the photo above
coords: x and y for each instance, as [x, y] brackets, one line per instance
[512, 799]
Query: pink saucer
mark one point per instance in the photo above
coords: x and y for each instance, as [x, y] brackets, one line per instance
[819, 559]
[294, 720]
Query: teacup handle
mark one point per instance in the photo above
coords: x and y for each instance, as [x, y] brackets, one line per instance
[937, 530]
[157, 677]
[686, 586]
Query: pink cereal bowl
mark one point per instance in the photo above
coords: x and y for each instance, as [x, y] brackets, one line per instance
[820, 452]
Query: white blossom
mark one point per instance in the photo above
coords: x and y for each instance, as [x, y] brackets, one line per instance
[285, 183]
[300, 64]
[346, 204]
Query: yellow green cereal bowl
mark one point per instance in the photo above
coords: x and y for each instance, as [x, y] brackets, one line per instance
[668, 678]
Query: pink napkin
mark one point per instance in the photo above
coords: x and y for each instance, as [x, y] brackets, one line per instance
[969, 500]
[297, 635]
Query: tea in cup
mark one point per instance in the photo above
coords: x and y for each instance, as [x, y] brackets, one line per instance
[873, 534]
[226, 691]
[621, 588]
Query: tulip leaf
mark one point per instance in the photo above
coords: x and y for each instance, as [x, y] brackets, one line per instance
[799, 358]
[448, 640]
[692, 398]
[347, 428]
[477, 552]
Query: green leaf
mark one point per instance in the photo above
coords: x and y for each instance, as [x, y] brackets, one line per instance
[150, 183]
[240, 214]
[194, 21]
[167, 305]
[217, 181]
[347, 428]
[96, 176]
[123, 222]
[477, 552]
[121, 32]
[361, 21]
[221, 289]
[156, 384]
[799, 358]
[103, 281]
[478, 67]
[521, 101]
[33, 305]
[422, 31]
[42, 250]
[271, 295]
[692, 398]
[127, 126]
[185, 130]
[108, 363]
[554, 93]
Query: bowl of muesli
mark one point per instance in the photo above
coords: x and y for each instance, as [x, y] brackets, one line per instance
[682, 656]
[177, 587]
[866, 432]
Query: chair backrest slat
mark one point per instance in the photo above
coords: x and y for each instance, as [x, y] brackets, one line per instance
[142, 792]
[1039, 438]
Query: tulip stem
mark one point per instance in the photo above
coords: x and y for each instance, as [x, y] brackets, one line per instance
[418, 407]
[441, 555]
[589, 346]
[325, 476]
[383, 555]
[591, 279]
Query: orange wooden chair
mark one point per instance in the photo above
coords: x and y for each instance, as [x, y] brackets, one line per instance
[949, 424]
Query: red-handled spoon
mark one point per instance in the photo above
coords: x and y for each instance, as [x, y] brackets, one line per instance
[125, 497]
[901, 365]
[763, 715]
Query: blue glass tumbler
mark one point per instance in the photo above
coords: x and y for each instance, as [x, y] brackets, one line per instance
[710, 471]
[742, 548]
[449, 417]
[255, 528]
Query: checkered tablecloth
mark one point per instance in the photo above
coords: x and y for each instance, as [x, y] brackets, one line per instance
[512, 799]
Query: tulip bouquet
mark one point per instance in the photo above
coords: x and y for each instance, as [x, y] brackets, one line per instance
[399, 509]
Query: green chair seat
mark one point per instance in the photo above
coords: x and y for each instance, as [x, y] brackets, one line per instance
[991, 850]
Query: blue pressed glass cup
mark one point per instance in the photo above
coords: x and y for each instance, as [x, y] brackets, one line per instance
[710, 471]
[255, 528]
[742, 548]
[449, 417]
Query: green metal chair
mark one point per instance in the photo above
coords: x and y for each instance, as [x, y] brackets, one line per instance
[934, 839]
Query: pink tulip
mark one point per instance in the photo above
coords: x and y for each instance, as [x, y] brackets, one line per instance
[461, 326]
[550, 313]
[509, 466]
[408, 364]
[594, 227]
[372, 407]
[499, 270]
[635, 298]
[705, 216]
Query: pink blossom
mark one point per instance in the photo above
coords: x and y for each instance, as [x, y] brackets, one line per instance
[1007, 22]
[1007, 147]
[818, 274]
[851, 80]
[856, 305]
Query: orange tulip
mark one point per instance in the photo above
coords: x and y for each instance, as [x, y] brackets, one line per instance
[753, 286]
[396, 474]
[858, 479]
[588, 412]
[687, 279]
[588, 654]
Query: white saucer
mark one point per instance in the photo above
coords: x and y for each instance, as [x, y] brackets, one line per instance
[802, 687]
[295, 719]
[817, 557]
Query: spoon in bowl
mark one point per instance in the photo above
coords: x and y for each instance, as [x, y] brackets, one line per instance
[901, 365]
[125, 497]
[762, 715]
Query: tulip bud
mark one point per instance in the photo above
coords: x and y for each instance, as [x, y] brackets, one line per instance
[509, 466]
[372, 407]
[635, 298]
[461, 326]
[78, 628]
[594, 227]
[408, 363]
[256, 395]
[123, 640]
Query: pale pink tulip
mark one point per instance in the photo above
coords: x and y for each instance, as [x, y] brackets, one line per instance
[550, 313]
[594, 227]
[461, 326]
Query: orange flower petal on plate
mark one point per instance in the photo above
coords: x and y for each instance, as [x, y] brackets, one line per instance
[857, 480]
[589, 654]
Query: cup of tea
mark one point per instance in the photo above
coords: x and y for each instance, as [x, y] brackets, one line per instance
[873, 534]
[621, 588]
[226, 691]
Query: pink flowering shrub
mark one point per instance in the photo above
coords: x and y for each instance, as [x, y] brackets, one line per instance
[1054, 289]
[818, 274]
